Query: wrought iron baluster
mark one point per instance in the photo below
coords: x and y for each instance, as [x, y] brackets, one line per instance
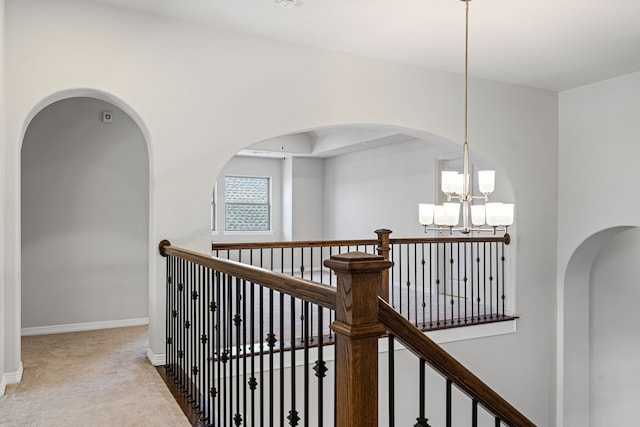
[474, 413]
[271, 342]
[237, 324]
[449, 407]
[415, 283]
[183, 335]
[503, 313]
[216, 393]
[320, 368]
[466, 282]
[307, 338]
[281, 358]
[451, 279]
[484, 297]
[293, 413]
[392, 381]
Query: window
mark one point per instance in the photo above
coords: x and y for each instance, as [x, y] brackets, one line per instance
[247, 203]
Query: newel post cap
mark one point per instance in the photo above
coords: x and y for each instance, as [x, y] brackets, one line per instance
[161, 247]
[357, 262]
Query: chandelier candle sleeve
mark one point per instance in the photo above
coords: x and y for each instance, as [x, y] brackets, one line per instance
[486, 181]
[477, 215]
[448, 181]
[426, 213]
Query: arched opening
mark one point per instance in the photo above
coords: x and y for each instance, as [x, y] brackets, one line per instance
[344, 182]
[85, 218]
[598, 364]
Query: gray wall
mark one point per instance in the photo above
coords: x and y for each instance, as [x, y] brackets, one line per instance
[598, 152]
[614, 374]
[85, 216]
[307, 217]
[201, 94]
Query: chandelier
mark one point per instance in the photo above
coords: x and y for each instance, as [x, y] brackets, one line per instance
[476, 217]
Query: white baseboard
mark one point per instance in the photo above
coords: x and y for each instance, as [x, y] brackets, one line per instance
[90, 326]
[156, 359]
[10, 378]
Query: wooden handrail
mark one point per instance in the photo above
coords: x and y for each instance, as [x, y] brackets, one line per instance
[307, 290]
[506, 239]
[293, 244]
[441, 361]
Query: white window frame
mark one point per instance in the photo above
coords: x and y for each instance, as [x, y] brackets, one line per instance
[269, 205]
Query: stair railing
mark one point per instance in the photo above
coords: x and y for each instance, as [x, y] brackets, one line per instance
[435, 282]
[216, 310]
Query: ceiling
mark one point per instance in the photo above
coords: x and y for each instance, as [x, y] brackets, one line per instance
[548, 44]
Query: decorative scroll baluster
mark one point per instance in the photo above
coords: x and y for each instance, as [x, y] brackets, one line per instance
[281, 359]
[320, 368]
[293, 413]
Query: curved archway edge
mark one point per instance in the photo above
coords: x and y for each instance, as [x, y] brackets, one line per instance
[573, 360]
[139, 122]
[89, 93]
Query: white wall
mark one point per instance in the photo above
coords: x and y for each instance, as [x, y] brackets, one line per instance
[379, 188]
[614, 373]
[598, 152]
[3, 301]
[382, 187]
[85, 216]
[308, 196]
[200, 95]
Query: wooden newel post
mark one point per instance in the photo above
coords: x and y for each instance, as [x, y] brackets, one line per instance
[383, 249]
[357, 329]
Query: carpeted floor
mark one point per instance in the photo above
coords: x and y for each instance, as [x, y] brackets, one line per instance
[96, 378]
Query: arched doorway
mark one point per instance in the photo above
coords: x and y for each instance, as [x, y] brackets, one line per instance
[600, 291]
[85, 218]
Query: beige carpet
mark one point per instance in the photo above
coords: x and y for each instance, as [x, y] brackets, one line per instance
[95, 378]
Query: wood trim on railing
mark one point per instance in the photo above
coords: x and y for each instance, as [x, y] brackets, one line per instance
[423, 347]
[307, 290]
[294, 244]
[506, 239]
